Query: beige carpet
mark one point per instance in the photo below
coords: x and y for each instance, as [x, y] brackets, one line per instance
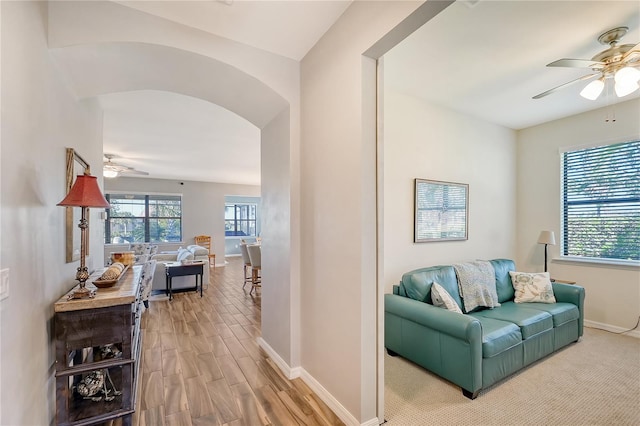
[593, 382]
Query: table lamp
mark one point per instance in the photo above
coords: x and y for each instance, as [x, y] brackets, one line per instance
[546, 238]
[85, 194]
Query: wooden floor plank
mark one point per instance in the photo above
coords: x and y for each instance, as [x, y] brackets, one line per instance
[202, 365]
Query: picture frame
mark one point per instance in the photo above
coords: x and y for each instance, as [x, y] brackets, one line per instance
[75, 165]
[440, 211]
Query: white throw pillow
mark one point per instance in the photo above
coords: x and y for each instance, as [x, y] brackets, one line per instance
[532, 287]
[442, 299]
[184, 254]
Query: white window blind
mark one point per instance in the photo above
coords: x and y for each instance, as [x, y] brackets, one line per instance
[601, 202]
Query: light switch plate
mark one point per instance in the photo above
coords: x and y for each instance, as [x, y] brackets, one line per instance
[4, 283]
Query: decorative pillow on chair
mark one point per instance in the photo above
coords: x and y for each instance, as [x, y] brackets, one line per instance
[442, 299]
[138, 248]
[532, 287]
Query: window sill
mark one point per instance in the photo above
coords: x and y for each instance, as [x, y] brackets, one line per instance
[625, 264]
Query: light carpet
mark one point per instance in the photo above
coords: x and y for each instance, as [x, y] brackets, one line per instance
[593, 382]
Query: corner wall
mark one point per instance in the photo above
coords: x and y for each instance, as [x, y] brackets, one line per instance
[429, 142]
[338, 210]
[40, 117]
[612, 292]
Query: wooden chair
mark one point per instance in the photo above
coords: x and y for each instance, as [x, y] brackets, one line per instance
[205, 241]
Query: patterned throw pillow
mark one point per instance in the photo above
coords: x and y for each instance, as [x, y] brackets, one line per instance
[442, 299]
[532, 287]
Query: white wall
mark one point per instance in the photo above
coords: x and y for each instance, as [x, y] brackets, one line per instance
[277, 283]
[612, 292]
[338, 221]
[40, 117]
[202, 204]
[425, 141]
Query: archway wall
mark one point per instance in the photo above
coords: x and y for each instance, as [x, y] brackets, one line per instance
[89, 22]
[338, 175]
[104, 47]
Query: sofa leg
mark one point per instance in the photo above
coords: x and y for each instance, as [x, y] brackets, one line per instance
[391, 353]
[470, 395]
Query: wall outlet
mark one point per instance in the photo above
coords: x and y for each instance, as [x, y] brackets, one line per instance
[4, 283]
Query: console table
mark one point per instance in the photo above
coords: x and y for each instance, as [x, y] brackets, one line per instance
[99, 337]
[177, 269]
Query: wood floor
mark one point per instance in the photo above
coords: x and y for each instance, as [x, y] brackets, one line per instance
[201, 364]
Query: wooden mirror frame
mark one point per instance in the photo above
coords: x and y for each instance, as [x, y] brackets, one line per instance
[75, 165]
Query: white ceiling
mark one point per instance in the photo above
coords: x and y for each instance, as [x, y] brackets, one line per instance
[486, 61]
[489, 60]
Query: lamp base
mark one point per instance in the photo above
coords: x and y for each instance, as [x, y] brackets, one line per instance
[81, 293]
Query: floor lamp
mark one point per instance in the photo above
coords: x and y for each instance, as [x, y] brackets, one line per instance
[84, 193]
[546, 238]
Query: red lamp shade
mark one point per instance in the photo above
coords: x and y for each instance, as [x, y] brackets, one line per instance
[85, 193]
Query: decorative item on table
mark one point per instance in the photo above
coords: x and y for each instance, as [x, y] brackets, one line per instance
[94, 386]
[85, 194]
[127, 258]
[111, 275]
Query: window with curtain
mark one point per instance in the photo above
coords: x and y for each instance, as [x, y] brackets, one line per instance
[601, 202]
[240, 219]
[136, 218]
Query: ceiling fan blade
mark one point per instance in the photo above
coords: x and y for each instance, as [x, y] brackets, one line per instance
[134, 172]
[577, 63]
[633, 53]
[548, 92]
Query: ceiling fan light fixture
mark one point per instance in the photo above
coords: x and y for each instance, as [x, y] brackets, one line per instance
[109, 173]
[626, 81]
[592, 90]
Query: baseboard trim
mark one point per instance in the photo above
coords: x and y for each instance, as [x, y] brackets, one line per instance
[612, 328]
[315, 386]
[331, 402]
[289, 372]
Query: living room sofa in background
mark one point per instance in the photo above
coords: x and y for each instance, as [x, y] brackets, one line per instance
[477, 349]
[192, 252]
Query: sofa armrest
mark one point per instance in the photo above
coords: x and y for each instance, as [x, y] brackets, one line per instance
[460, 326]
[569, 293]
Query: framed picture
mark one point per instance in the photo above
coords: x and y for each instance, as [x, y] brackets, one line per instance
[441, 211]
[76, 165]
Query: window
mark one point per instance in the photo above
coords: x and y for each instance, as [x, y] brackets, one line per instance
[143, 218]
[240, 219]
[601, 202]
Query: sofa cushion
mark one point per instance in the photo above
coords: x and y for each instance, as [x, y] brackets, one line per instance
[442, 299]
[532, 287]
[198, 250]
[504, 287]
[417, 283]
[530, 321]
[560, 311]
[497, 335]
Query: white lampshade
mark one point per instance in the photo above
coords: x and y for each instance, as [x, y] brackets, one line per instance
[109, 173]
[626, 81]
[592, 90]
[547, 237]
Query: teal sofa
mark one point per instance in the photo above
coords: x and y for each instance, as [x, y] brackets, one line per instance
[475, 350]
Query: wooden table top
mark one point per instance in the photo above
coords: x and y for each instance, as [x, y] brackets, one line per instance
[122, 293]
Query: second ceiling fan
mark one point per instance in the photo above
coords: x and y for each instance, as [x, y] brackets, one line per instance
[112, 170]
[619, 63]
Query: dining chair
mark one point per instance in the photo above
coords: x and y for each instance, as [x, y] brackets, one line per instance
[146, 278]
[206, 242]
[246, 261]
[255, 255]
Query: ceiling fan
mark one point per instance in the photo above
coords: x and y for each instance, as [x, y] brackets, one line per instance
[112, 170]
[617, 62]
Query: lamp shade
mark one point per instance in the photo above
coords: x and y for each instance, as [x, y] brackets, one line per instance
[85, 193]
[547, 237]
[593, 90]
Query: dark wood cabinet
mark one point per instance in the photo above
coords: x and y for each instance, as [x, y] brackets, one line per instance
[98, 345]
